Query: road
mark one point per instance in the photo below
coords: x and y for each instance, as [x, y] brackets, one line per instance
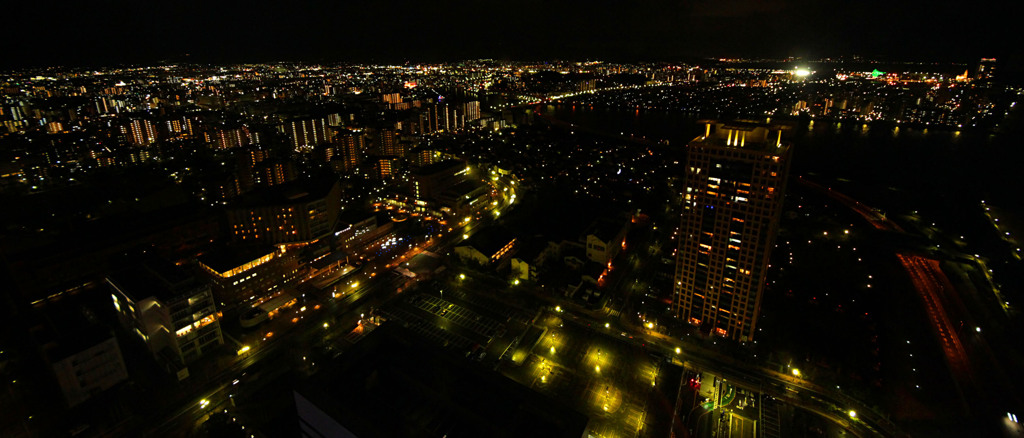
[272, 358]
[929, 281]
[876, 219]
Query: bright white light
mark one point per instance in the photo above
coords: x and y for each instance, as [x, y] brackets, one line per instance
[802, 72]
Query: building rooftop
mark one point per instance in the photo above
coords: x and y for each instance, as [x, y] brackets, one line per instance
[605, 229]
[490, 240]
[464, 187]
[154, 278]
[393, 383]
[744, 134]
[537, 218]
[439, 167]
[227, 257]
[529, 248]
[295, 192]
[352, 216]
[71, 326]
[425, 263]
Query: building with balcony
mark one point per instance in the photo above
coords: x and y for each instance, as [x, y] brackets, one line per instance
[172, 311]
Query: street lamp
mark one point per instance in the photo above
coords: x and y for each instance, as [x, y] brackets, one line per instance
[796, 372]
[853, 414]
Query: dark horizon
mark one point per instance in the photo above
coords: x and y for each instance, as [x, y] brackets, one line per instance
[138, 33]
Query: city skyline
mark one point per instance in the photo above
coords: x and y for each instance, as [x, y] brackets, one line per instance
[749, 248]
[122, 32]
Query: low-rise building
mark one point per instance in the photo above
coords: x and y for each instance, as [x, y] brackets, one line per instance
[604, 238]
[487, 247]
[240, 274]
[87, 363]
[357, 227]
[531, 256]
[464, 198]
[83, 354]
[431, 179]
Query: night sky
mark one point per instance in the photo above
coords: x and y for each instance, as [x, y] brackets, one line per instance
[90, 32]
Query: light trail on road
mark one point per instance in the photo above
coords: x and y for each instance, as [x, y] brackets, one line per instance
[869, 214]
[928, 281]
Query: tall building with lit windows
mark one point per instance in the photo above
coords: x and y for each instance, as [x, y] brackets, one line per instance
[306, 133]
[734, 186]
[139, 132]
[297, 212]
[389, 142]
[349, 148]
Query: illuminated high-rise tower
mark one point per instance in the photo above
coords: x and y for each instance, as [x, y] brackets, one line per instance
[986, 68]
[140, 132]
[306, 133]
[734, 185]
